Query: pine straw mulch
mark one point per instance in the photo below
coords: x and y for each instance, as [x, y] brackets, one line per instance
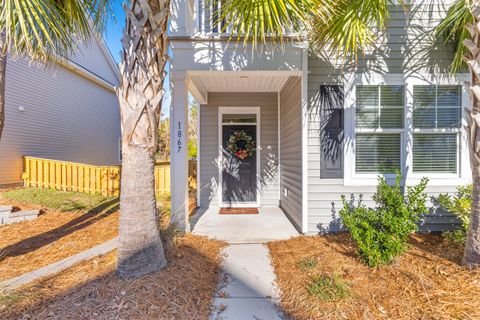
[427, 282]
[91, 290]
[53, 236]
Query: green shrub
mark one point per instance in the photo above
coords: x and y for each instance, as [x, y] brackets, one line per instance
[381, 233]
[460, 205]
[329, 288]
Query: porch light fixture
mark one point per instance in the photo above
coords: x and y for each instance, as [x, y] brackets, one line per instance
[243, 77]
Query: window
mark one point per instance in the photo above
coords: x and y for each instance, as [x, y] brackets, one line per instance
[436, 128]
[379, 127]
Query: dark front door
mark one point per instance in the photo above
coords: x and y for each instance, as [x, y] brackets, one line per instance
[239, 176]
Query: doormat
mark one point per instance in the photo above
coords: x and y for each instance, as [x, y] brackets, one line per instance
[238, 211]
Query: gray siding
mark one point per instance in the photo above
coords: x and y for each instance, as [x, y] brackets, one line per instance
[66, 117]
[291, 150]
[91, 57]
[268, 143]
[401, 50]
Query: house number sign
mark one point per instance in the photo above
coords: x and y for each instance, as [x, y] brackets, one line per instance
[179, 134]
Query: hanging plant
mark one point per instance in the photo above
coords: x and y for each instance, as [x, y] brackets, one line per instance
[241, 145]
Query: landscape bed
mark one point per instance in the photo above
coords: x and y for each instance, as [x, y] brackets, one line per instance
[427, 282]
[91, 290]
[56, 234]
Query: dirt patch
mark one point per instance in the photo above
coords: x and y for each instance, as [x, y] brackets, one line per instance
[91, 290]
[53, 236]
[425, 283]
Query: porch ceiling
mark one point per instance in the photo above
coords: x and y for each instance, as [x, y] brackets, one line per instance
[239, 81]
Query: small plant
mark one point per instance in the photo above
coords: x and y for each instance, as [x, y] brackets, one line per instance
[307, 264]
[381, 233]
[460, 205]
[328, 288]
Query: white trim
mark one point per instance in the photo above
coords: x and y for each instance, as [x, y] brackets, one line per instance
[199, 186]
[279, 172]
[239, 110]
[81, 71]
[351, 178]
[304, 97]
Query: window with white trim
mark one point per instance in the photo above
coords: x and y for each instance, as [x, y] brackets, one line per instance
[436, 128]
[379, 126]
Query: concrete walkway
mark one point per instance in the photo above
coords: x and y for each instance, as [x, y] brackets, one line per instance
[247, 290]
[59, 266]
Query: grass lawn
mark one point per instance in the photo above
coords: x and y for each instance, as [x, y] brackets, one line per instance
[55, 234]
[321, 277]
[91, 290]
[55, 199]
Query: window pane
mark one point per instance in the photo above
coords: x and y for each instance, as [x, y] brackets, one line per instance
[367, 107]
[424, 117]
[436, 106]
[367, 96]
[448, 96]
[367, 117]
[424, 96]
[377, 153]
[448, 118]
[435, 153]
[391, 102]
[369, 100]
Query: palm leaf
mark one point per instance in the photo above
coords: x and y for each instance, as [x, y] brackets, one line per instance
[43, 28]
[451, 30]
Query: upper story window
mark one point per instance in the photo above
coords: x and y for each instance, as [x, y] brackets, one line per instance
[209, 13]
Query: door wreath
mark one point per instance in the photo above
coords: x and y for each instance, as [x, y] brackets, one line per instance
[241, 145]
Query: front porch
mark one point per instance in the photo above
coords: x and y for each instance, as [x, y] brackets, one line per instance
[269, 224]
[265, 108]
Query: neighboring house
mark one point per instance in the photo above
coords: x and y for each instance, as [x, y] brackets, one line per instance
[322, 130]
[65, 111]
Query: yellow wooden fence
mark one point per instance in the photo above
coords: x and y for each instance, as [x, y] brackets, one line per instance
[105, 180]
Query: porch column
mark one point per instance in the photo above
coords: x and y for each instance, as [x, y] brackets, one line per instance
[178, 152]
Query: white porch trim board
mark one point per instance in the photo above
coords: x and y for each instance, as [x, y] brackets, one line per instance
[178, 151]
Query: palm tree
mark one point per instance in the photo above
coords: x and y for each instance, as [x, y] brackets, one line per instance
[45, 30]
[140, 95]
[461, 27]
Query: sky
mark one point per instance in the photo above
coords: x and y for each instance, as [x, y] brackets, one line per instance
[113, 30]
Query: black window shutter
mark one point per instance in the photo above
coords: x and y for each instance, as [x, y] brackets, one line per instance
[331, 134]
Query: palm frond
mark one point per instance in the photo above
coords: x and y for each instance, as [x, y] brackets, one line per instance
[451, 30]
[42, 28]
[261, 19]
[352, 27]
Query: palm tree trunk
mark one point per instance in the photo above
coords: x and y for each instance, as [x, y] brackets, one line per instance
[140, 96]
[3, 72]
[472, 245]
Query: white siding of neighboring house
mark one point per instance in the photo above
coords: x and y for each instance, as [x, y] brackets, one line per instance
[291, 150]
[268, 143]
[399, 53]
[65, 116]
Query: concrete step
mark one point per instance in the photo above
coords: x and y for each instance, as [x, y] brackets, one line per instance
[19, 216]
[5, 208]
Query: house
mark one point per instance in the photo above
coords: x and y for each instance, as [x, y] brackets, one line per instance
[65, 111]
[320, 128]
